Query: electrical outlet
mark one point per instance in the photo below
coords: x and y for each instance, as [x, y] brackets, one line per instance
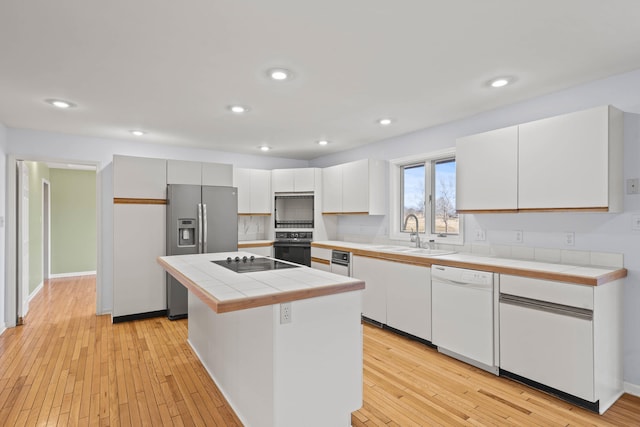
[285, 313]
[518, 236]
[480, 235]
[635, 222]
[569, 238]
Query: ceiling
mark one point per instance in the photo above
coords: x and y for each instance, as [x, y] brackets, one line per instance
[171, 68]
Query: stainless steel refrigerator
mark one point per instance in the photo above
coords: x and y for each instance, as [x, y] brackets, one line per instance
[200, 219]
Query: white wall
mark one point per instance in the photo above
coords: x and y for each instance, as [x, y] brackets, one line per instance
[593, 232]
[40, 145]
[3, 161]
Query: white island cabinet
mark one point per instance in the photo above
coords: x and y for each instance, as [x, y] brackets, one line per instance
[274, 373]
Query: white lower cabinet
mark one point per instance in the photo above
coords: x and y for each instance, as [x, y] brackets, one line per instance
[396, 294]
[138, 239]
[564, 336]
[552, 349]
[409, 299]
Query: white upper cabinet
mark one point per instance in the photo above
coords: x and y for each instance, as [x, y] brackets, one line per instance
[572, 161]
[487, 165]
[568, 162]
[196, 173]
[139, 177]
[217, 174]
[293, 180]
[254, 191]
[354, 188]
[332, 189]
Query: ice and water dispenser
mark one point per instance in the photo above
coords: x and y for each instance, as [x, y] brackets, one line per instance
[186, 233]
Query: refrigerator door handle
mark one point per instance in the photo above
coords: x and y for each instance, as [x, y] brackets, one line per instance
[204, 240]
[199, 228]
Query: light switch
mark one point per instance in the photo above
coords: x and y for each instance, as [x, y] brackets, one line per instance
[635, 222]
[632, 185]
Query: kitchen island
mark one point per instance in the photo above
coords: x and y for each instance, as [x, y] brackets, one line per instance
[282, 342]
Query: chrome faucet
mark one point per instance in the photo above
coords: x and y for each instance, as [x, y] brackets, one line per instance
[415, 237]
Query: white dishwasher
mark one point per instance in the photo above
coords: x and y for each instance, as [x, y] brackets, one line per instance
[463, 310]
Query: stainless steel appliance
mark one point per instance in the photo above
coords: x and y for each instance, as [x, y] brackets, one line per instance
[465, 314]
[341, 263]
[293, 246]
[293, 210]
[200, 219]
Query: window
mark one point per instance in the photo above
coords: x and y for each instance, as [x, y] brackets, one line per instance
[427, 190]
[413, 197]
[445, 218]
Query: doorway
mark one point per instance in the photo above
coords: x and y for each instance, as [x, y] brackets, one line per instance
[32, 232]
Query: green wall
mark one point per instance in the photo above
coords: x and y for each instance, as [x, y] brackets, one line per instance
[37, 172]
[73, 221]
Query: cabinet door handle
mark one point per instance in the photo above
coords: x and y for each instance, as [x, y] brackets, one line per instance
[549, 307]
[200, 228]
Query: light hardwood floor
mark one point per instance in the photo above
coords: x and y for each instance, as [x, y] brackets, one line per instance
[67, 366]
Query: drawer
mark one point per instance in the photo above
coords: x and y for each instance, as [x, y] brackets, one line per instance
[321, 253]
[547, 290]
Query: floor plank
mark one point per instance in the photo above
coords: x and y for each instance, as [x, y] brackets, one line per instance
[67, 366]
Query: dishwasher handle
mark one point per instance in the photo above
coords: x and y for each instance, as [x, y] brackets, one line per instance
[549, 307]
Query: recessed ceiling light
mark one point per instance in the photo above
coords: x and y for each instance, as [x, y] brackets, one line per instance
[500, 81]
[265, 148]
[59, 103]
[279, 74]
[323, 142]
[238, 109]
[137, 132]
[385, 122]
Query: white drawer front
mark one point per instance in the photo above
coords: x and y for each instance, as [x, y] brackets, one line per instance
[547, 290]
[551, 349]
[321, 253]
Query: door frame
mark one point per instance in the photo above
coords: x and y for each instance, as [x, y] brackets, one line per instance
[11, 258]
[46, 230]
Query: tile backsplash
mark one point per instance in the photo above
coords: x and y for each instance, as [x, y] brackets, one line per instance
[252, 227]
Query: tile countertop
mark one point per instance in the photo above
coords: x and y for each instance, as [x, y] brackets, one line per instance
[582, 275]
[224, 290]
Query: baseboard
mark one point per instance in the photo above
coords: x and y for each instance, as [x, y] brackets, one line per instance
[76, 274]
[633, 389]
[3, 328]
[138, 316]
[33, 294]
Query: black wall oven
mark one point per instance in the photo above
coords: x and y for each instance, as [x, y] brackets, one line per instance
[293, 246]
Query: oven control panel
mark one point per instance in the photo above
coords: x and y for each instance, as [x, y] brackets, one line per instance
[294, 236]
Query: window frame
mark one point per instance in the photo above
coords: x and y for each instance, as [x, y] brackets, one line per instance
[396, 198]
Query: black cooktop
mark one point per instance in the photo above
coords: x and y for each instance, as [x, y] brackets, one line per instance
[252, 264]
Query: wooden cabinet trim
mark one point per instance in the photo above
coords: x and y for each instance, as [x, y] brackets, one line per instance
[136, 201]
[321, 261]
[254, 245]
